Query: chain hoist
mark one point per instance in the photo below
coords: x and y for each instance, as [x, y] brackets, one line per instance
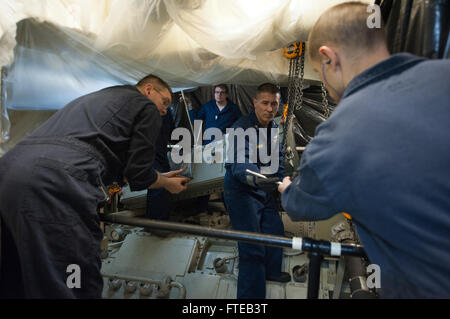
[296, 53]
[299, 87]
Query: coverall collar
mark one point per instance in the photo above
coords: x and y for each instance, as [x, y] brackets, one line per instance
[394, 64]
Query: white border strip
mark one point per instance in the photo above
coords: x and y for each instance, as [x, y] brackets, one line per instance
[335, 249]
[297, 243]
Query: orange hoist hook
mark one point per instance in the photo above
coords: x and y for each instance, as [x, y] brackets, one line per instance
[293, 50]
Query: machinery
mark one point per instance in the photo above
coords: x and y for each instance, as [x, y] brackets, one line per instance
[198, 262]
[196, 256]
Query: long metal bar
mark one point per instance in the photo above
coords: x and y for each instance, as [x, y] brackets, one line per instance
[308, 245]
[189, 117]
[255, 174]
[249, 237]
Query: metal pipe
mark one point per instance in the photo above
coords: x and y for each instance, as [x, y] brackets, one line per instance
[254, 238]
[187, 112]
[310, 245]
[255, 174]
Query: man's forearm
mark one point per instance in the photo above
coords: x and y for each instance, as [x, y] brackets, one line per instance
[160, 181]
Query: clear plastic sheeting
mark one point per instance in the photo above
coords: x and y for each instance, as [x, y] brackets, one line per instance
[68, 48]
[4, 119]
[51, 68]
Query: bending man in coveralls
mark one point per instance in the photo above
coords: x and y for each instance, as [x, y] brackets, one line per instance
[383, 156]
[158, 200]
[250, 200]
[51, 185]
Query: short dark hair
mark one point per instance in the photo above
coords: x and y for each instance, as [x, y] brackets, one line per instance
[155, 80]
[222, 86]
[268, 88]
[345, 25]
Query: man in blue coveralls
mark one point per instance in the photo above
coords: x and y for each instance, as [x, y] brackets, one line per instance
[220, 113]
[383, 156]
[250, 200]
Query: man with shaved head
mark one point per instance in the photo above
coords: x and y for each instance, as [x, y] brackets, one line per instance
[383, 156]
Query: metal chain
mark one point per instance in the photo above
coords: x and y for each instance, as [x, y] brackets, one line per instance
[302, 74]
[295, 92]
[291, 96]
[325, 105]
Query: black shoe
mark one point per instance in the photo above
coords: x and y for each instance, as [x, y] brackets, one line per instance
[283, 277]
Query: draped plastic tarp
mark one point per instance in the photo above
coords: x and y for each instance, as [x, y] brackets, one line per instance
[4, 118]
[417, 26]
[188, 43]
[56, 50]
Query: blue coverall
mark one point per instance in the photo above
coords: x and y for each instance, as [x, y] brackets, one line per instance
[254, 210]
[50, 190]
[211, 116]
[384, 158]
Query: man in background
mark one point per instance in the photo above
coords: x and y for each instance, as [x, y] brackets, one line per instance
[220, 113]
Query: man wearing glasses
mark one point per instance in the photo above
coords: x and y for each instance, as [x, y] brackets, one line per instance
[220, 113]
[52, 183]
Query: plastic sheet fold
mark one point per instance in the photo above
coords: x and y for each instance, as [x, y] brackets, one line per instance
[5, 124]
[67, 48]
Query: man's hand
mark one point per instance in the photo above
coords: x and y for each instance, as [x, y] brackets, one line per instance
[171, 182]
[172, 173]
[286, 182]
[176, 185]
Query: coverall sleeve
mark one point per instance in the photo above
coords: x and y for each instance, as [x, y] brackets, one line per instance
[237, 113]
[141, 152]
[306, 199]
[200, 114]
